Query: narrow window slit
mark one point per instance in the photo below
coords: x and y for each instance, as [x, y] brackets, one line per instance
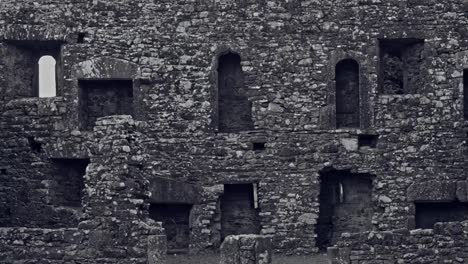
[347, 94]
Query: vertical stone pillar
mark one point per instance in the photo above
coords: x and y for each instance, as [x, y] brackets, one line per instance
[246, 249]
[116, 193]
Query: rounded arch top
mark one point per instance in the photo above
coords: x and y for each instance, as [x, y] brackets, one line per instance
[347, 62]
[106, 68]
[47, 59]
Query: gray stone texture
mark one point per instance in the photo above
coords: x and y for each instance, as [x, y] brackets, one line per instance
[246, 249]
[170, 49]
[444, 244]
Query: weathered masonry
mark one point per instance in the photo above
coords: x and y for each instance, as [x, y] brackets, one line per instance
[180, 123]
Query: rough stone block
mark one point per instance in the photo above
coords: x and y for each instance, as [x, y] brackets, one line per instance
[246, 249]
[338, 255]
[157, 248]
[432, 191]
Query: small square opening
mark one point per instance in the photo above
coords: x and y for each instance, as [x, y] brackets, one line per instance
[34, 145]
[258, 146]
[39, 65]
[368, 141]
[99, 98]
[81, 37]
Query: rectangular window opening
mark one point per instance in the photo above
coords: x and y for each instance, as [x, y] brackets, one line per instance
[429, 213]
[176, 222]
[345, 205]
[68, 181]
[400, 64]
[99, 98]
[238, 210]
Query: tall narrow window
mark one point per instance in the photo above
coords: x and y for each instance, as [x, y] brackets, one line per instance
[234, 108]
[347, 93]
[465, 94]
[47, 79]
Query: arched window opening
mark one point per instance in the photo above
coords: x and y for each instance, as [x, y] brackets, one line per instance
[347, 94]
[234, 108]
[47, 76]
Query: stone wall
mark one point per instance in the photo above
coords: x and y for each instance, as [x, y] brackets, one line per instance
[446, 243]
[31, 245]
[288, 51]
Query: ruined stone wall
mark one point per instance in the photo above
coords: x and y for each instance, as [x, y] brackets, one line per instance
[39, 245]
[446, 243]
[288, 52]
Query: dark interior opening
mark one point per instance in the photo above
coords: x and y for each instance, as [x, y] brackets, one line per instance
[429, 213]
[176, 222]
[24, 60]
[258, 146]
[3, 171]
[81, 37]
[400, 64]
[368, 141]
[99, 98]
[345, 206]
[238, 212]
[465, 94]
[347, 93]
[34, 145]
[234, 108]
[68, 181]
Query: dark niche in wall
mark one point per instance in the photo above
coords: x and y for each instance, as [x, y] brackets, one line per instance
[176, 222]
[34, 145]
[234, 108]
[99, 98]
[429, 213]
[68, 181]
[400, 65]
[22, 74]
[345, 205]
[347, 93]
[238, 210]
[367, 140]
[258, 146]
